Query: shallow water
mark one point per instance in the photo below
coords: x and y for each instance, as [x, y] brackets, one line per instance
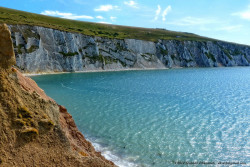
[159, 117]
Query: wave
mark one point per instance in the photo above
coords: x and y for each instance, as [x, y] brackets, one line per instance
[110, 155]
[69, 87]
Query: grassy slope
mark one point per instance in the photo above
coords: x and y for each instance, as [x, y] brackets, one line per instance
[11, 16]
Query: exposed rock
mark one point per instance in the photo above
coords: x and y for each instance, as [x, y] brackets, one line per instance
[77, 140]
[202, 54]
[139, 46]
[30, 86]
[41, 49]
[7, 56]
[34, 130]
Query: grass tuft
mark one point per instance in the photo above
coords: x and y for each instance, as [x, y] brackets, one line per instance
[69, 54]
[45, 124]
[83, 154]
[32, 49]
[164, 52]
[210, 56]
[24, 112]
[227, 54]
[29, 134]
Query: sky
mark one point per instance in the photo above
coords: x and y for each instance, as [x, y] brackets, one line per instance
[227, 20]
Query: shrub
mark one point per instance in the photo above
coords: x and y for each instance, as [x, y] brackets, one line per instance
[19, 122]
[32, 49]
[29, 121]
[45, 124]
[28, 134]
[19, 47]
[237, 52]
[116, 34]
[109, 60]
[172, 57]
[246, 58]
[210, 56]
[69, 54]
[83, 154]
[227, 54]
[163, 52]
[120, 48]
[25, 113]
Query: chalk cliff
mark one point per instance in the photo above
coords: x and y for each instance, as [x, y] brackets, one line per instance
[40, 49]
[34, 129]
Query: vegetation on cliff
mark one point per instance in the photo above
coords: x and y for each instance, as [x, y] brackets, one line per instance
[11, 16]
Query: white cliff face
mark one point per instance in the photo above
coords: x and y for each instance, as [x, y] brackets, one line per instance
[40, 49]
[202, 54]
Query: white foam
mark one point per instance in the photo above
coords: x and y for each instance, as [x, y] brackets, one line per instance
[109, 155]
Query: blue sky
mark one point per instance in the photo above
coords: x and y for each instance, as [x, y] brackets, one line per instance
[221, 19]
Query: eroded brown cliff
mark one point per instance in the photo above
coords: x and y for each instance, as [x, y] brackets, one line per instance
[34, 129]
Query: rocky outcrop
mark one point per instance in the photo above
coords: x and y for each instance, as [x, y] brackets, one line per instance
[34, 129]
[40, 49]
[202, 54]
[7, 56]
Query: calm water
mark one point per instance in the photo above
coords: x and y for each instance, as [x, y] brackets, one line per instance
[156, 118]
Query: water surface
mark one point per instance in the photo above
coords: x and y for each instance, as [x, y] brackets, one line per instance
[159, 117]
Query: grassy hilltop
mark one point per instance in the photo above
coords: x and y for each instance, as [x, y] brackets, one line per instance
[11, 16]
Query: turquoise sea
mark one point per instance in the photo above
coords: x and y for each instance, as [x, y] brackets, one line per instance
[160, 118]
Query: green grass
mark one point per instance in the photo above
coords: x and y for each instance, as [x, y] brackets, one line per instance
[172, 57]
[69, 54]
[11, 16]
[25, 113]
[211, 56]
[19, 47]
[246, 58]
[227, 54]
[163, 52]
[32, 49]
[237, 52]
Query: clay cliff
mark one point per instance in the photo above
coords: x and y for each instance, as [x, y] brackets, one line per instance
[34, 129]
[40, 49]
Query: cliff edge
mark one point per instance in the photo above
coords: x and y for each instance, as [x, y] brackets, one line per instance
[34, 129]
[45, 50]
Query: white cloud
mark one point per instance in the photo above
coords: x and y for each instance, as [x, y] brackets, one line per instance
[157, 12]
[103, 22]
[100, 17]
[230, 28]
[244, 14]
[113, 18]
[132, 4]
[165, 13]
[227, 28]
[105, 8]
[65, 15]
[193, 21]
[206, 24]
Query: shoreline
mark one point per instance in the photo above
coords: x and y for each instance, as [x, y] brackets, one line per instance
[111, 155]
[93, 71]
[120, 70]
